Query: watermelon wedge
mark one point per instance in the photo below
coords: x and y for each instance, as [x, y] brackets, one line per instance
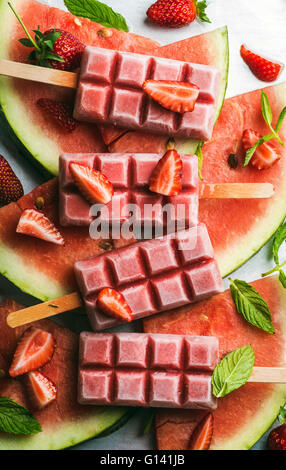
[64, 422]
[41, 138]
[244, 415]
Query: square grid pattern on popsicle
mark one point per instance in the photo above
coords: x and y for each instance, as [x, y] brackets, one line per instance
[138, 369]
[130, 175]
[153, 275]
[110, 91]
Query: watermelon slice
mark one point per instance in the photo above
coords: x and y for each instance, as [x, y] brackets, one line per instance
[244, 415]
[64, 422]
[41, 138]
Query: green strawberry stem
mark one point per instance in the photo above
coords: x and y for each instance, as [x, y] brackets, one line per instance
[24, 28]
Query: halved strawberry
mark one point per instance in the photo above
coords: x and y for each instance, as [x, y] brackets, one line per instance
[180, 97]
[264, 69]
[113, 304]
[166, 178]
[93, 184]
[265, 155]
[41, 390]
[202, 434]
[36, 224]
[34, 349]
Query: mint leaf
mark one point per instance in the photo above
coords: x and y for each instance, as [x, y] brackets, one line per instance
[98, 12]
[280, 120]
[279, 238]
[232, 371]
[201, 14]
[250, 152]
[282, 415]
[266, 109]
[200, 156]
[251, 305]
[16, 419]
[149, 422]
[282, 278]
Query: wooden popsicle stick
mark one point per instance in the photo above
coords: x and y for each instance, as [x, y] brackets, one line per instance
[44, 310]
[268, 375]
[38, 74]
[236, 190]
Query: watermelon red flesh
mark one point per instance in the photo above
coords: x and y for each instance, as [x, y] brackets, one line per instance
[244, 415]
[44, 139]
[64, 422]
[246, 224]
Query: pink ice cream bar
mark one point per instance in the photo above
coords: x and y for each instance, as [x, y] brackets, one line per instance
[110, 92]
[138, 369]
[153, 275]
[130, 175]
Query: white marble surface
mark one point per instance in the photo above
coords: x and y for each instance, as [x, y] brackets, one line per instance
[258, 23]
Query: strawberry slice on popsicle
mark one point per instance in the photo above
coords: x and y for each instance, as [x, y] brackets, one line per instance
[93, 184]
[42, 391]
[113, 304]
[36, 224]
[179, 97]
[34, 349]
[166, 178]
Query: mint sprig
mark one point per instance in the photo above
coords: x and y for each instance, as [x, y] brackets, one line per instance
[232, 371]
[98, 12]
[251, 305]
[278, 240]
[149, 422]
[201, 11]
[15, 419]
[268, 117]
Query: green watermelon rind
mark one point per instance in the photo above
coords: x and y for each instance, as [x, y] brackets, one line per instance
[69, 433]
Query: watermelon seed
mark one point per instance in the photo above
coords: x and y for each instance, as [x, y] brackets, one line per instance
[39, 202]
[232, 161]
[106, 245]
[104, 33]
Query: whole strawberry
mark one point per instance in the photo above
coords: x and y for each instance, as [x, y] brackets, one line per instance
[177, 13]
[11, 188]
[67, 47]
[54, 48]
[277, 438]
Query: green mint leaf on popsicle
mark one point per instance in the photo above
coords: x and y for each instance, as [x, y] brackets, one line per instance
[251, 305]
[232, 371]
[98, 12]
[15, 419]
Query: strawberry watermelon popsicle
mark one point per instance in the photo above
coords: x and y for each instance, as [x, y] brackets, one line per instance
[110, 92]
[150, 370]
[152, 275]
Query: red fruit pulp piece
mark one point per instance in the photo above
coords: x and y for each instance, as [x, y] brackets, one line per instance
[34, 349]
[59, 112]
[113, 304]
[202, 434]
[166, 178]
[277, 438]
[172, 13]
[179, 97]
[93, 184]
[265, 155]
[42, 391]
[36, 224]
[264, 69]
